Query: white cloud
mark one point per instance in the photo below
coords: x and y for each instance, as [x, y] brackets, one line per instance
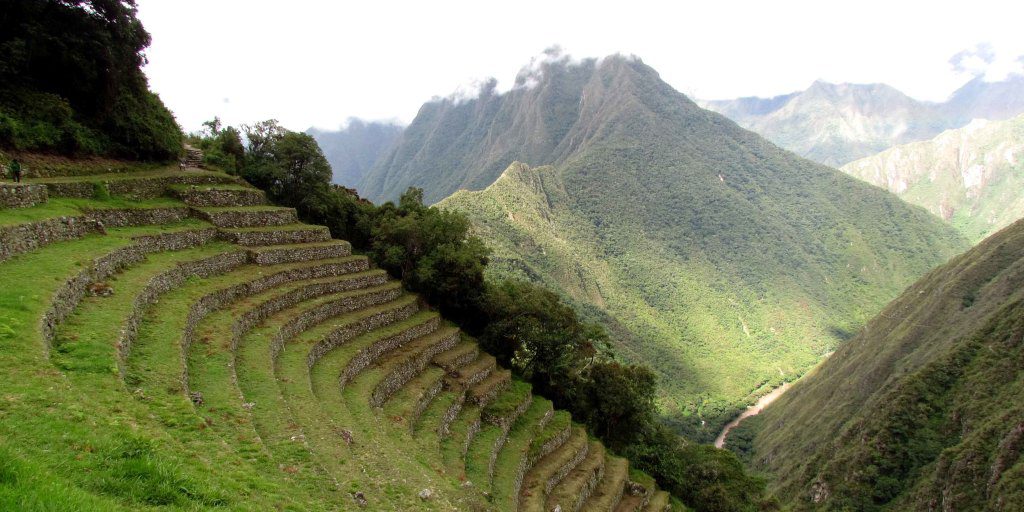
[310, 62]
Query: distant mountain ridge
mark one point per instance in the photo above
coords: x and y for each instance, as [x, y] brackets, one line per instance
[726, 263]
[835, 124]
[354, 149]
[972, 177]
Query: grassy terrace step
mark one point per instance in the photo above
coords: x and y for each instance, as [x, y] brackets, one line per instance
[576, 487]
[511, 465]
[496, 420]
[483, 392]
[366, 349]
[461, 432]
[344, 429]
[471, 373]
[73, 207]
[550, 469]
[247, 216]
[437, 417]
[143, 185]
[222, 195]
[160, 341]
[395, 369]
[210, 358]
[91, 429]
[289, 253]
[255, 372]
[660, 501]
[459, 356]
[608, 494]
[277, 235]
[408, 403]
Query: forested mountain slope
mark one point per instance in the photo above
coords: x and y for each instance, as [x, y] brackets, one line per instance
[922, 410]
[725, 262]
[973, 177]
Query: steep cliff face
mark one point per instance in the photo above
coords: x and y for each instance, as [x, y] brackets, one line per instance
[972, 177]
[353, 150]
[922, 410]
[837, 123]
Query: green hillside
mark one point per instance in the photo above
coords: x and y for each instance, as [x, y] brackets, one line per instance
[972, 177]
[354, 149]
[725, 263]
[922, 410]
[184, 345]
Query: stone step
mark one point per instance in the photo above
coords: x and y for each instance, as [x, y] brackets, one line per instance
[247, 216]
[608, 494]
[551, 469]
[470, 374]
[408, 404]
[513, 459]
[276, 235]
[365, 350]
[290, 253]
[212, 196]
[496, 418]
[395, 370]
[483, 392]
[137, 185]
[460, 355]
[576, 487]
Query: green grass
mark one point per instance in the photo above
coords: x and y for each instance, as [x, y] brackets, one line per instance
[616, 473]
[219, 186]
[62, 207]
[517, 447]
[567, 493]
[533, 496]
[167, 172]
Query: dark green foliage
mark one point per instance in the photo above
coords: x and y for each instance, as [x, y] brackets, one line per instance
[222, 146]
[431, 251]
[70, 81]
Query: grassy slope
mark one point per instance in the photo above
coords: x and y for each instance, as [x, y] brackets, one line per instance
[924, 403]
[935, 174]
[721, 310]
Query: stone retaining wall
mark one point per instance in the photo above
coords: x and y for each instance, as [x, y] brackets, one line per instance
[551, 445]
[167, 281]
[505, 425]
[220, 197]
[67, 297]
[277, 236]
[349, 331]
[247, 218]
[368, 355]
[424, 401]
[216, 300]
[275, 256]
[309, 318]
[588, 489]
[491, 393]
[449, 416]
[19, 238]
[19, 195]
[409, 369]
[525, 463]
[566, 468]
[135, 188]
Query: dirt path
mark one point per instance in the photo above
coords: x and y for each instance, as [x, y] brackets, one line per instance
[753, 410]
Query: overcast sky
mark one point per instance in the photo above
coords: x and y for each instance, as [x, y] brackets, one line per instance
[310, 63]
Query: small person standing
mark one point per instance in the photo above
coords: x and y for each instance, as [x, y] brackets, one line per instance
[15, 169]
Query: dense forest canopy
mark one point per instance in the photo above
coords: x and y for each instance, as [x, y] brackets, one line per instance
[71, 81]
